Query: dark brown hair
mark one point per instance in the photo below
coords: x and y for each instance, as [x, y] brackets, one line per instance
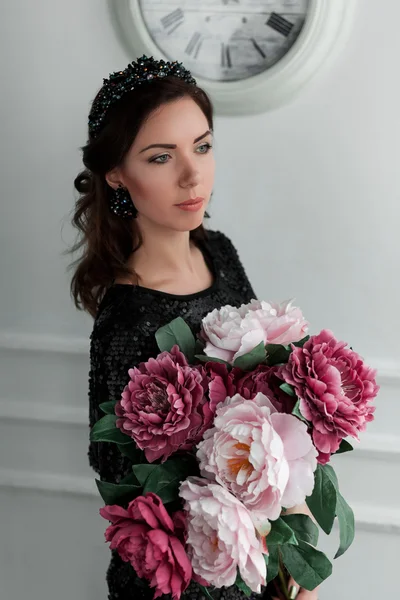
[105, 239]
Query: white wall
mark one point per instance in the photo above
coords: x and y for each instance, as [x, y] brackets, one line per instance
[310, 196]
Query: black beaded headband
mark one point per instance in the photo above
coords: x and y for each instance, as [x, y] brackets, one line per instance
[144, 70]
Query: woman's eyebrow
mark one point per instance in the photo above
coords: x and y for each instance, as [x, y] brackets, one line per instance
[174, 145]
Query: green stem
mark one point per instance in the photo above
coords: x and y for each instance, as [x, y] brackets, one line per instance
[282, 579]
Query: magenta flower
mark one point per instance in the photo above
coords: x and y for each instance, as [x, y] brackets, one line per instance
[163, 408]
[220, 383]
[335, 388]
[153, 542]
[263, 379]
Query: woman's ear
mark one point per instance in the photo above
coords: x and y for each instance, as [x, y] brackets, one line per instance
[113, 178]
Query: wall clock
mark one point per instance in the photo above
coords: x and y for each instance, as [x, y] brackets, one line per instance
[249, 55]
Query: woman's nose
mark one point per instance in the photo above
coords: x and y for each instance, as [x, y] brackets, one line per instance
[190, 175]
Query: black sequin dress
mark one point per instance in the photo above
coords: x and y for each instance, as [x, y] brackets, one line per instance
[124, 335]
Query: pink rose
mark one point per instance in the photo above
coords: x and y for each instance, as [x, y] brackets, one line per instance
[221, 536]
[153, 542]
[282, 323]
[264, 458]
[228, 335]
[335, 388]
[263, 379]
[231, 332]
[163, 407]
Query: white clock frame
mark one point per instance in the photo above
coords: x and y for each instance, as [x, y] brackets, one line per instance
[325, 30]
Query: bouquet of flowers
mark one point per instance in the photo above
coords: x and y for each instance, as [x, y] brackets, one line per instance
[226, 431]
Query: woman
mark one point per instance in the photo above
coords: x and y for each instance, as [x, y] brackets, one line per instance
[147, 257]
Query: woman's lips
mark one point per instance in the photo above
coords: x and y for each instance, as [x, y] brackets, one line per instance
[191, 201]
[191, 206]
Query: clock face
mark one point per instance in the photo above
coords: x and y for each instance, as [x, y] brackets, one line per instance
[224, 40]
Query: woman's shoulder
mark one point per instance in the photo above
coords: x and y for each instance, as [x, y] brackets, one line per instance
[220, 240]
[217, 237]
[227, 255]
[117, 311]
[222, 246]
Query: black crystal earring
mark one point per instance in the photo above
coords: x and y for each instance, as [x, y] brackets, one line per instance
[121, 204]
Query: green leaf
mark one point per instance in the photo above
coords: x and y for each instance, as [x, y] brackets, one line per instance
[272, 561]
[242, 585]
[281, 533]
[204, 358]
[177, 332]
[199, 345]
[288, 389]
[165, 479]
[205, 591]
[116, 493]
[143, 471]
[252, 359]
[108, 407]
[344, 447]
[322, 502]
[332, 475]
[296, 412]
[135, 455]
[301, 343]
[130, 479]
[105, 430]
[304, 528]
[342, 510]
[277, 353]
[308, 566]
[104, 424]
[346, 525]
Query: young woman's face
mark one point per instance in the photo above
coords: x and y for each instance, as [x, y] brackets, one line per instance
[159, 178]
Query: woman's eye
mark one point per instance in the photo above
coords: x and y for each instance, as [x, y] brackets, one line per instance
[207, 147]
[163, 158]
[158, 161]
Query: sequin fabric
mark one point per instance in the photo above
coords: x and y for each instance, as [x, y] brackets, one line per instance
[123, 335]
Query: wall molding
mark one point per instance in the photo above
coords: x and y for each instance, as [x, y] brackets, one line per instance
[38, 342]
[23, 411]
[372, 445]
[379, 446]
[381, 519]
[388, 369]
[49, 482]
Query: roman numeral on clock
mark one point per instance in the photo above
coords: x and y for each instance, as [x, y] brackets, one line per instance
[280, 24]
[226, 60]
[173, 20]
[194, 44]
[258, 48]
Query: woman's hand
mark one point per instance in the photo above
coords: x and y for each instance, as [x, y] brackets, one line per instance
[302, 594]
[306, 595]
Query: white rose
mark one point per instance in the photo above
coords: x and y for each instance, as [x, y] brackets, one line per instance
[228, 335]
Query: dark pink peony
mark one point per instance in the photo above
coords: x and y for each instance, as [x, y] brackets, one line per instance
[163, 408]
[266, 380]
[146, 536]
[219, 383]
[335, 388]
